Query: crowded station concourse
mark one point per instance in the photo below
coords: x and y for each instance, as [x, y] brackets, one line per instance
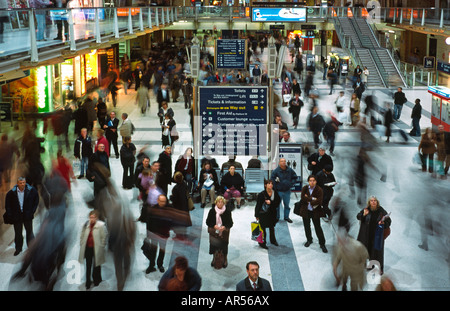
[118, 195]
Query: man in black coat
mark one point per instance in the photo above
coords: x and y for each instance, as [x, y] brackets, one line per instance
[315, 125]
[399, 100]
[317, 161]
[21, 203]
[416, 114]
[253, 282]
[163, 95]
[110, 127]
[326, 181]
[165, 161]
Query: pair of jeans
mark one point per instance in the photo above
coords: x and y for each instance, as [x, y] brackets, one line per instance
[83, 165]
[285, 197]
[397, 111]
[416, 127]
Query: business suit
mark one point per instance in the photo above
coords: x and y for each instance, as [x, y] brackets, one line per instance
[111, 134]
[313, 215]
[246, 286]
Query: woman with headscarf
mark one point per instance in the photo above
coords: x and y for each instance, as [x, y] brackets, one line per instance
[219, 222]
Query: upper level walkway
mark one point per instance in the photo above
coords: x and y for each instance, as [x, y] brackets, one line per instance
[89, 28]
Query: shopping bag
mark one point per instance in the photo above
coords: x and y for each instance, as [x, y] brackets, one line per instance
[257, 232]
[418, 158]
[287, 97]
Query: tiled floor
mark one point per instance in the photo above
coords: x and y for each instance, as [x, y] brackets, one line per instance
[416, 201]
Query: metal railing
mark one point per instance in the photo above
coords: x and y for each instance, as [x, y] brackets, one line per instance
[24, 28]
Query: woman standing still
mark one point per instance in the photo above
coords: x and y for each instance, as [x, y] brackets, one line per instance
[372, 217]
[92, 247]
[266, 211]
[219, 222]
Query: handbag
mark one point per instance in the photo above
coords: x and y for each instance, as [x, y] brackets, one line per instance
[190, 201]
[264, 208]
[218, 259]
[257, 232]
[297, 208]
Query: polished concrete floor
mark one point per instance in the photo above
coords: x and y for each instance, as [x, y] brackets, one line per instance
[418, 203]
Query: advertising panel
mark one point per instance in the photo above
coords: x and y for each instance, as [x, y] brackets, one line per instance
[279, 15]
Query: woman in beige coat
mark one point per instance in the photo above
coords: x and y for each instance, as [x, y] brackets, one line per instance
[92, 247]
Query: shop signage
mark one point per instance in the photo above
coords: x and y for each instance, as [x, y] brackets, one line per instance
[443, 67]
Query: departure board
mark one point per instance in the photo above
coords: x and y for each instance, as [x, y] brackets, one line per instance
[233, 120]
[230, 53]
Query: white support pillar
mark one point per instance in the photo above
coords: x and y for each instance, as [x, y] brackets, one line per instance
[423, 17]
[150, 18]
[411, 17]
[441, 23]
[157, 17]
[141, 20]
[33, 43]
[401, 16]
[163, 18]
[130, 22]
[98, 38]
[73, 46]
[116, 24]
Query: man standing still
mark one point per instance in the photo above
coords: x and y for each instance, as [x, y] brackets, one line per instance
[112, 123]
[416, 114]
[399, 100]
[253, 282]
[20, 205]
[283, 178]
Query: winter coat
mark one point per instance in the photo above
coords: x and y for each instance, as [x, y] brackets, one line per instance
[13, 213]
[306, 198]
[283, 180]
[99, 233]
[269, 218]
[127, 154]
[229, 181]
[427, 145]
[82, 147]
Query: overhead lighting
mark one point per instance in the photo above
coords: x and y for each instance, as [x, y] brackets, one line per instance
[447, 41]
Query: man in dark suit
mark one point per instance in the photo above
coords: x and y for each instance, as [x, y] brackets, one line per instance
[110, 127]
[21, 203]
[163, 95]
[311, 209]
[253, 282]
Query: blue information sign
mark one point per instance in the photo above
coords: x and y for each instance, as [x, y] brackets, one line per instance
[233, 120]
[278, 14]
[230, 53]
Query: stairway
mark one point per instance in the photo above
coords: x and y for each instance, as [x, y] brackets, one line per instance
[383, 72]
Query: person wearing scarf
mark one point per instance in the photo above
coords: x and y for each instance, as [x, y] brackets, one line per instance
[219, 222]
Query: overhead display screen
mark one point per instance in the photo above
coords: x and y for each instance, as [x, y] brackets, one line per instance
[278, 14]
[230, 53]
